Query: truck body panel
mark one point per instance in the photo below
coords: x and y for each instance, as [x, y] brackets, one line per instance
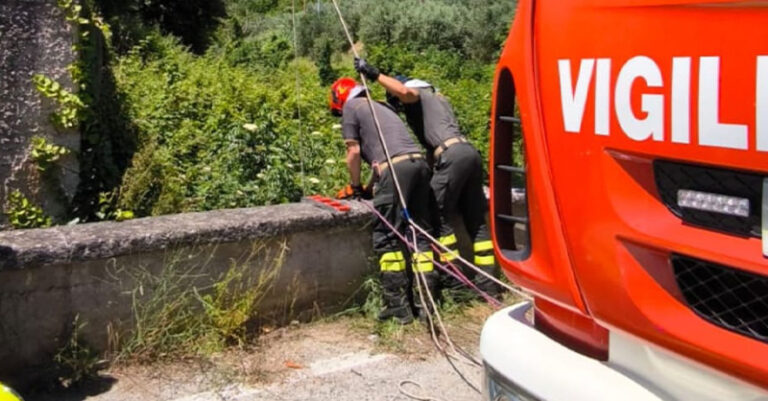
[626, 107]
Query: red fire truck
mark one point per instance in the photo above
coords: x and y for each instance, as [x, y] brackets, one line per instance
[629, 196]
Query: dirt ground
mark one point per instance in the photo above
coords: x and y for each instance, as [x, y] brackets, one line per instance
[346, 358]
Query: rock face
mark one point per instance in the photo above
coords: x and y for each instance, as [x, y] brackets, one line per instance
[35, 38]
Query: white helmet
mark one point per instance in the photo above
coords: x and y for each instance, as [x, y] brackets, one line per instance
[418, 84]
[357, 90]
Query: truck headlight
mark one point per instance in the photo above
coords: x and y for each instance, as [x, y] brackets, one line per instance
[498, 388]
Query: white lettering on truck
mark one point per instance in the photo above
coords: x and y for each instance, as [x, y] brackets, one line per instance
[762, 103]
[711, 131]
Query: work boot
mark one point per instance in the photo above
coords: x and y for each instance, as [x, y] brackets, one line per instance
[487, 285]
[433, 286]
[486, 261]
[395, 298]
[454, 290]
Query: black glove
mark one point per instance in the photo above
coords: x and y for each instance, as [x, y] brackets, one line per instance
[367, 192]
[370, 72]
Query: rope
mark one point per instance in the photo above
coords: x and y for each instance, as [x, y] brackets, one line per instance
[403, 391]
[298, 97]
[420, 279]
[454, 271]
[397, 184]
[467, 282]
[459, 352]
[374, 114]
[514, 290]
[420, 276]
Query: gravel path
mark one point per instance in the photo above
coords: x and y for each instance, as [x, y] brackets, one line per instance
[330, 361]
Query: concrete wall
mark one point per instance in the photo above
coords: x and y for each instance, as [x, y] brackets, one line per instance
[35, 38]
[94, 271]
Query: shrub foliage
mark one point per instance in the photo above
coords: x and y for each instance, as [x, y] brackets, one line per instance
[217, 117]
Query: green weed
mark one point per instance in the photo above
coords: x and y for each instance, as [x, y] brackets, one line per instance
[45, 154]
[22, 213]
[181, 310]
[76, 362]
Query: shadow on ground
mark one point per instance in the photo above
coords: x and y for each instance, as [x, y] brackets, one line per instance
[91, 388]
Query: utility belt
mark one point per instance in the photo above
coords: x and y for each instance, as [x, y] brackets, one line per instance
[447, 144]
[397, 159]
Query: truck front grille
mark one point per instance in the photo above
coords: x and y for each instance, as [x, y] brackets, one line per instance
[672, 177]
[730, 298]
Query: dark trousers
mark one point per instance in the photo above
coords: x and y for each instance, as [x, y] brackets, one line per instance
[458, 187]
[414, 178]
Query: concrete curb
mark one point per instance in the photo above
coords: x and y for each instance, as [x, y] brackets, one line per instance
[23, 249]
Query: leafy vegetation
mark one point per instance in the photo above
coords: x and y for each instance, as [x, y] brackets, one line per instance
[22, 213]
[69, 104]
[215, 135]
[45, 154]
[201, 105]
[75, 361]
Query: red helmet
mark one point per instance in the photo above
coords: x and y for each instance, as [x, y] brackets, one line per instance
[340, 91]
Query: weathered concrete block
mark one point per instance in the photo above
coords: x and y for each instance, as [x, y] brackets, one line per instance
[96, 272]
[35, 38]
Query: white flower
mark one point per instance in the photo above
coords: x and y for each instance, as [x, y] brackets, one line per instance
[336, 126]
[250, 127]
[316, 133]
[314, 180]
[330, 161]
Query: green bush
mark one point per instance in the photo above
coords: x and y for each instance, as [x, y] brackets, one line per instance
[268, 51]
[431, 24]
[214, 136]
[473, 28]
[221, 129]
[316, 28]
[192, 21]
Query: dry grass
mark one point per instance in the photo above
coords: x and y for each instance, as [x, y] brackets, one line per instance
[183, 311]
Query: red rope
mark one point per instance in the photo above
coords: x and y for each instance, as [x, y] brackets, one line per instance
[456, 273]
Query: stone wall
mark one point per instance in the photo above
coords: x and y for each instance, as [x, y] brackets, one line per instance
[93, 272]
[35, 38]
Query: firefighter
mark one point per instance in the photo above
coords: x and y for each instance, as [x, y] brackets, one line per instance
[457, 181]
[349, 100]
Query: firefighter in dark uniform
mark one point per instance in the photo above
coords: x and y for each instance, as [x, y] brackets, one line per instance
[363, 143]
[457, 181]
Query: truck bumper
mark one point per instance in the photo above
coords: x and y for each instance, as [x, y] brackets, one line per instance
[524, 364]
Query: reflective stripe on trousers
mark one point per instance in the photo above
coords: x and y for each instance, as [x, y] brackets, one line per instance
[484, 253]
[449, 242]
[422, 262]
[392, 262]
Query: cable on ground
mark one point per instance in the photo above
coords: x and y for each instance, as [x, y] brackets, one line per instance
[403, 391]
